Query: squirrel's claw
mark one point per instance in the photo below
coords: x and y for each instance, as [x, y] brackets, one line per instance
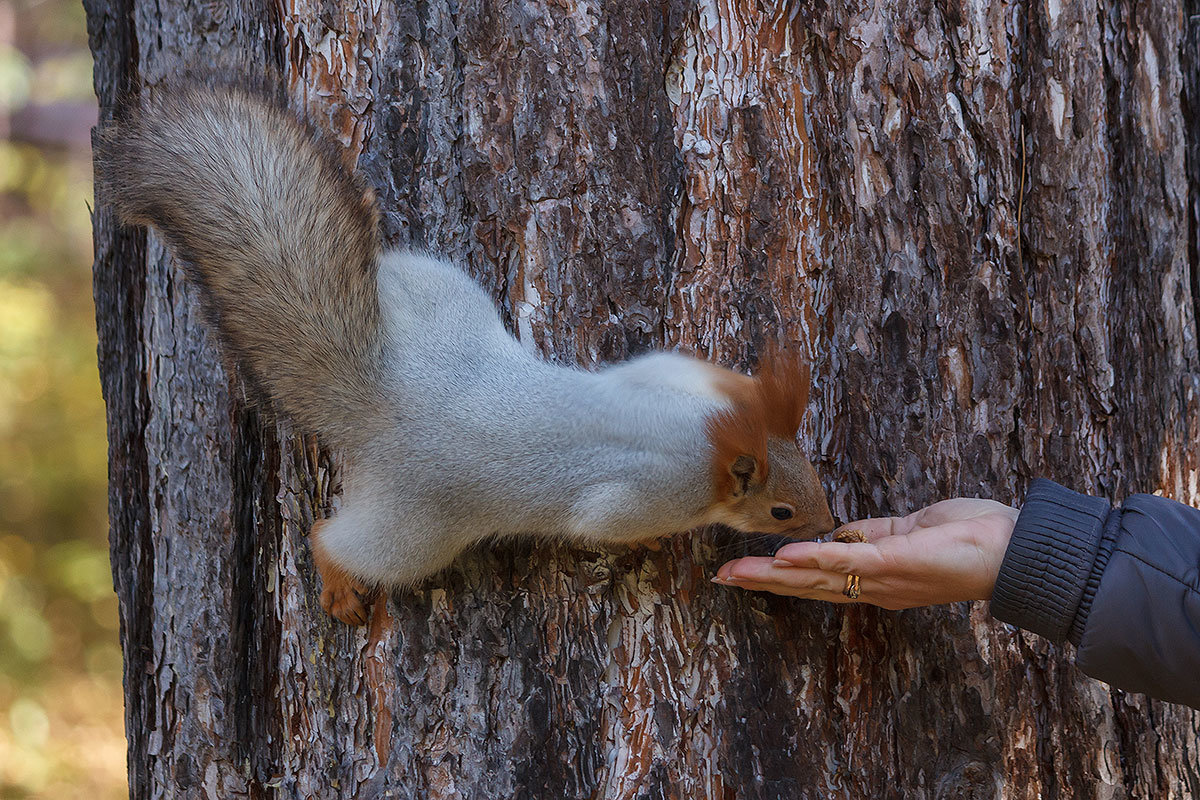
[343, 596]
[346, 599]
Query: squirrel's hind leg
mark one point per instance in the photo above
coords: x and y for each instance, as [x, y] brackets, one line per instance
[343, 596]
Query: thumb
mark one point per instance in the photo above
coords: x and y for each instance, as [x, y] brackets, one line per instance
[862, 558]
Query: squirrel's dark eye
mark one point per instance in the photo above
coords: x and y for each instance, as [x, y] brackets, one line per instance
[781, 512]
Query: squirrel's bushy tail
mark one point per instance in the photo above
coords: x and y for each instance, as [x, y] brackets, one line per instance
[280, 233]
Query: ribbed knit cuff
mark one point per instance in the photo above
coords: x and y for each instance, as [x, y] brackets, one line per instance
[1049, 560]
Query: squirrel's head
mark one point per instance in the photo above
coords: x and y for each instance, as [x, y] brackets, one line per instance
[762, 483]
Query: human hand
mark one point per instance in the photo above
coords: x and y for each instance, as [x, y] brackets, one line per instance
[944, 553]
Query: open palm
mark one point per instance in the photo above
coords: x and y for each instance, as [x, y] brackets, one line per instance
[944, 553]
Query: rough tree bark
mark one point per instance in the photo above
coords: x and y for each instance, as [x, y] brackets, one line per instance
[979, 218]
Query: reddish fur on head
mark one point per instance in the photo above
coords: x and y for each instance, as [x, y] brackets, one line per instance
[783, 380]
[739, 431]
[757, 469]
[771, 403]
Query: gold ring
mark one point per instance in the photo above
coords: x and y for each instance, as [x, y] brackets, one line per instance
[851, 589]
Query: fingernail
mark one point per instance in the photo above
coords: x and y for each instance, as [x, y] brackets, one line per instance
[779, 562]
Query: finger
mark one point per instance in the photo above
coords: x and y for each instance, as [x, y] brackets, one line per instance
[746, 565]
[868, 594]
[723, 570]
[788, 590]
[762, 570]
[840, 557]
[742, 568]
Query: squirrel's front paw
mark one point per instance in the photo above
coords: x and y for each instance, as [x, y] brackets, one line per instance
[343, 596]
[346, 599]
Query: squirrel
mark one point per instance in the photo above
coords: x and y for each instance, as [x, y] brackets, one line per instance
[453, 432]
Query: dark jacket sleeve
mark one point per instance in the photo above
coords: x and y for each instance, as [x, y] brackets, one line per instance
[1122, 585]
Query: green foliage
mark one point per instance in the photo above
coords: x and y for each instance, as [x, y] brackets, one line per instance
[60, 693]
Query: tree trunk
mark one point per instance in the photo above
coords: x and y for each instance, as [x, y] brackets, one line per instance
[979, 219]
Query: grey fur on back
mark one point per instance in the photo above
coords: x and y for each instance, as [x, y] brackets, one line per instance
[280, 234]
[491, 439]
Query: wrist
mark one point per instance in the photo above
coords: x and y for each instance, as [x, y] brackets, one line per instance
[992, 543]
[1049, 560]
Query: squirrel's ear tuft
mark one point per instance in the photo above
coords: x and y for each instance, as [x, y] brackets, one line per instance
[739, 441]
[783, 382]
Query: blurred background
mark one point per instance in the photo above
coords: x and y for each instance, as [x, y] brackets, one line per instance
[61, 730]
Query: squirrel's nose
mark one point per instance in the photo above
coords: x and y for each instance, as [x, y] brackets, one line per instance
[815, 527]
[826, 524]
